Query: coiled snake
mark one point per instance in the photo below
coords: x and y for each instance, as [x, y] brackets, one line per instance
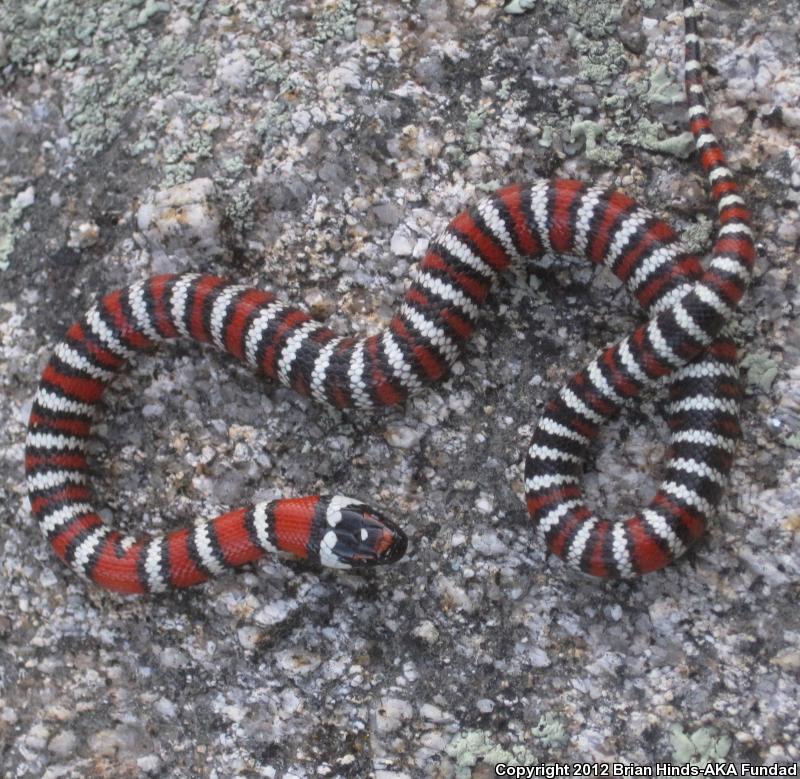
[687, 309]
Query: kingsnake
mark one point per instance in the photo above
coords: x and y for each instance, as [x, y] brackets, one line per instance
[687, 307]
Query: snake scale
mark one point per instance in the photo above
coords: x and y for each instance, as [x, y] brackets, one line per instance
[683, 339]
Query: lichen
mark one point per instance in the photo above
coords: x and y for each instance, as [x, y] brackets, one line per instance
[265, 70]
[478, 745]
[274, 123]
[151, 9]
[550, 730]
[181, 156]
[648, 135]
[700, 748]
[337, 23]
[761, 369]
[110, 88]
[546, 138]
[506, 86]
[664, 89]
[591, 29]
[476, 119]
[599, 18]
[8, 219]
[698, 235]
[599, 61]
[591, 132]
[239, 207]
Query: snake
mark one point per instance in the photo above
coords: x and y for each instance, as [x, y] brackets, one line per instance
[683, 343]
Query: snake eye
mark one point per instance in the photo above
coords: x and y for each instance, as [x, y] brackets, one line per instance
[359, 536]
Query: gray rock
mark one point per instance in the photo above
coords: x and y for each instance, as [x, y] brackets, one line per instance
[304, 146]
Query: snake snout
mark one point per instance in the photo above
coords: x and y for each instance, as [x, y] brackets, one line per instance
[389, 542]
[362, 537]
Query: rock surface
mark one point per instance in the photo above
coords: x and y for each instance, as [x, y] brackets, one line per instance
[295, 145]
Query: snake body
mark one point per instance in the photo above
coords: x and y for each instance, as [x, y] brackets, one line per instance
[687, 308]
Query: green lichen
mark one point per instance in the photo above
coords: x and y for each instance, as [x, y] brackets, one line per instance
[264, 70]
[506, 86]
[648, 135]
[546, 139]
[700, 748]
[472, 132]
[761, 369]
[151, 9]
[599, 18]
[39, 32]
[239, 208]
[8, 219]
[697, 236]
[591, 30]
[663, 89]
[793, 441]
[182, 156]
[599, 61]
[142, 146]
[120, 57]
[338, 23]
[550, 730]
[591, 132]
[613, 102]
[233, 166]
[467, 749]
[489, 186]
[271, 11]
[7, 239]
[274, 123]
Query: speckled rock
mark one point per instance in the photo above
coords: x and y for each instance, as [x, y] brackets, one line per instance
[184, 218]
[314, 148]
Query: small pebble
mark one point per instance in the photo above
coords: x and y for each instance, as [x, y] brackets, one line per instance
[63, 743]
[402, 437]
[391, 713]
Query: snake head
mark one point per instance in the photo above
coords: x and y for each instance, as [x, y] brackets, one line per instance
[357, 536]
